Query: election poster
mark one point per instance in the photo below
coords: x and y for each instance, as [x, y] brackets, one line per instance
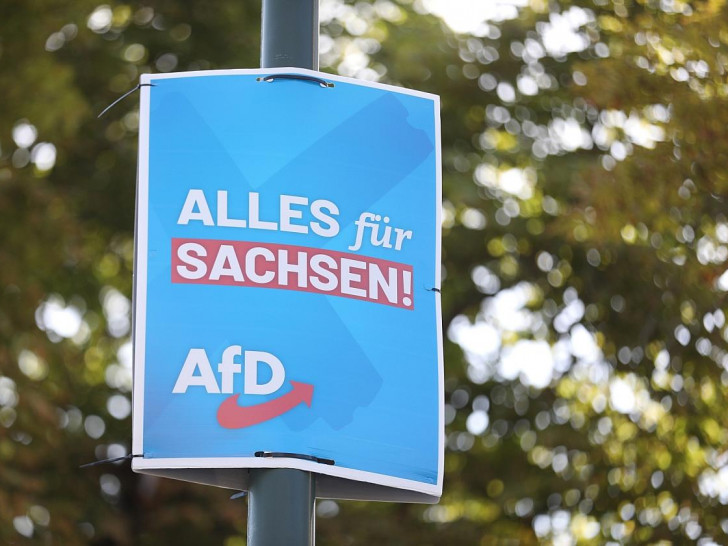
[287, 282]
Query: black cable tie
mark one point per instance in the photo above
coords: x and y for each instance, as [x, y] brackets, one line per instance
[121, 98]
[109, 461]
[312, 458]
[434, 290]
[304, 77]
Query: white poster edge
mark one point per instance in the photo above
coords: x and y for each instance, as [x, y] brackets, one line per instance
[141, 464]
[139, 299]
[146, 79]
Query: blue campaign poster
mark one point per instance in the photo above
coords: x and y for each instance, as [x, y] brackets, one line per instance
[287, 306]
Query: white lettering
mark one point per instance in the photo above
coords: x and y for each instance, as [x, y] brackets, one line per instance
[226, 263]
[330, 282]
[285, 267]
[377, 281]
[250, 257]
[278, 374]
[196, 360]
[199, 269]
[317, 208]
[348, 277]
[228, 367]
[254, 214]
[291, 214]
[288, 214]
[401, 236]
[222, 212]
[195, 198]
[361, 224]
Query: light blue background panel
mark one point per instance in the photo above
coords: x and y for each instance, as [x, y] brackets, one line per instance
[376, 369]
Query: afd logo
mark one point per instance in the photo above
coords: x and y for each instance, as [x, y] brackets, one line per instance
[197, 372]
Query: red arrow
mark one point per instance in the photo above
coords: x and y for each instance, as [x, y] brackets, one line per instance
[230, 415]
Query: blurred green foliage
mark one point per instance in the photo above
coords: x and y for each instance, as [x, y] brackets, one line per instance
[585, 240]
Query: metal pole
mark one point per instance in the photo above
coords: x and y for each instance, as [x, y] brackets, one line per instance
[289, 34]
[281, 507]
[281, 503]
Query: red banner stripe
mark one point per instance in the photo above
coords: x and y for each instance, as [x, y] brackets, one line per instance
[289, 267]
